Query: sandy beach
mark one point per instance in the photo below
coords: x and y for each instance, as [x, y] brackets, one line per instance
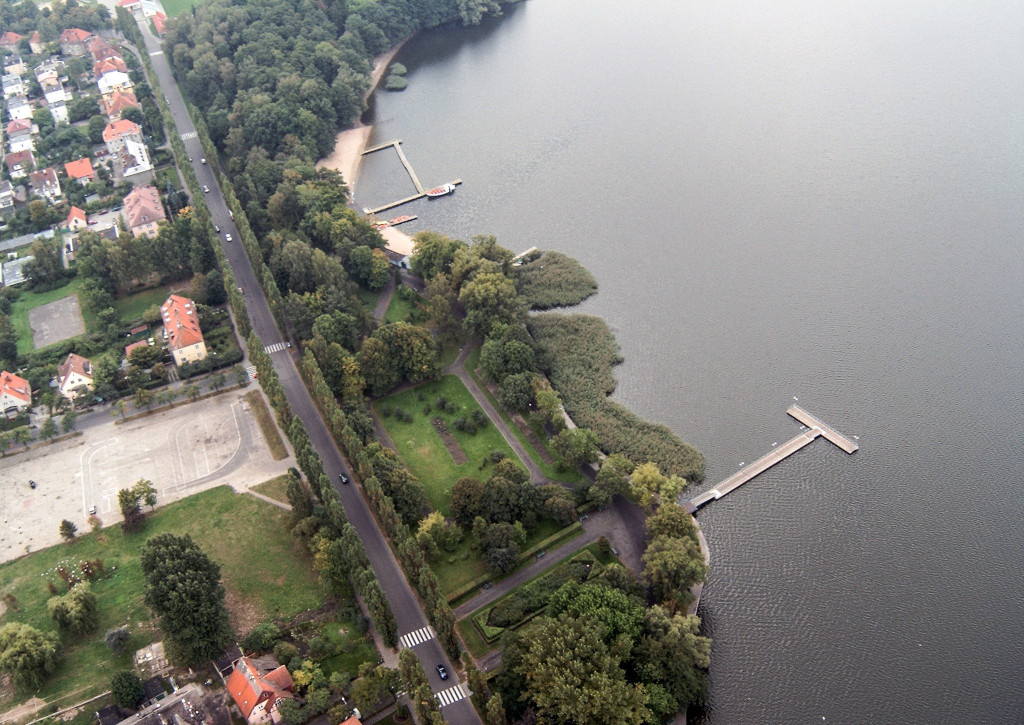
[348, 153]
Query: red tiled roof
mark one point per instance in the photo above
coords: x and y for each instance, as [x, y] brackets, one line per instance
[142, 206]
[181, 323]
[118, 101]
[18, 125]
[134, 345]
[160, 23]
[248, 688]
[75, 35]
[15, 386]
[107, 65]
[74, 364]
[118, 129]
[10, 38]
[80, 169]
[100, 49]
[75, 213]
[18, 157]
[43, 178]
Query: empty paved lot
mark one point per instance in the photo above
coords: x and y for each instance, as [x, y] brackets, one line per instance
[184, 450]
[56, 321]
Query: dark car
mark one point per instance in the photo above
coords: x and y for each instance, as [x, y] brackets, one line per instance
[343, 478]
[32, 484]
[442, 672]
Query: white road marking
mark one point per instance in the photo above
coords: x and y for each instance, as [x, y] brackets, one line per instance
[276, 347]
[451, 695]
[420, 636]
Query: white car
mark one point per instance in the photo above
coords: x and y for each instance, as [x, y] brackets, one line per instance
[206, 189]
[202, 160]
[227, 237]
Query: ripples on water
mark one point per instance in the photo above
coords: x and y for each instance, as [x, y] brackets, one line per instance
[812, 199]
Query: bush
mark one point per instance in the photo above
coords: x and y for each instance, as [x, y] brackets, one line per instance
[261, 638]
[395, 83]
[578, 353]
[285, 652]
[126, 688]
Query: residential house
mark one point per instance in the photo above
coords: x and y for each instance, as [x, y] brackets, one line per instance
[54, 92]
[19, 163]
[19, 136]
[49, 71]
[107, 65]
[257, 689]
[100, 49]
[76, 220]
[142, 8]
[19, 109]
[13, 64]
[117, 132]
[45, 183]
[13, 85]
[15, 394]
[10, 41]
[35, 43]
[14, 270]
[6, 195]
[160, 23]
[117, 101]
[74, 374]
[73, 41]
[133, 159]
[58, 111]
[69, 250]
[143, 211]
[114, 80]
[80, 170]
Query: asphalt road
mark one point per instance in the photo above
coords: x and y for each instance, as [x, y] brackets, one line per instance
[403, 600]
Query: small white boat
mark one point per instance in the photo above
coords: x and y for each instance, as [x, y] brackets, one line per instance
[442, 190]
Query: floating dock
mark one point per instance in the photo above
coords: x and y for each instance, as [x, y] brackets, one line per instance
[815, 428]
[420, 190]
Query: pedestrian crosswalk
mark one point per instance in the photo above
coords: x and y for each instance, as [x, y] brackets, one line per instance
[188, 135]
[420, 636]
[452, 695]
[276, 347]
[251, 372]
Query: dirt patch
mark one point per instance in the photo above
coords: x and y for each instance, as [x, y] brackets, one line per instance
[56, 321]
[454, 449]
[243, 614]
[22, 711]
[522, 425]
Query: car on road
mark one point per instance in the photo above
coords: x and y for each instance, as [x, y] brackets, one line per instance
[217, 229]
[206, 189]
[202, 160]
[31, 484]
[227, 237]
[241, 291]
[231, 214]
[442, 672]
[92, 510]
[343, 478]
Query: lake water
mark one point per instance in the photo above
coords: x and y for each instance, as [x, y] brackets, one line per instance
[819, 200]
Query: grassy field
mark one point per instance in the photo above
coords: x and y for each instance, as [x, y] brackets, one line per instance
[271, 435]
[275, 488]
[420, 446]
[354, 648]
[174, 8]
[132, 307]
[460, 567]
[368, 298]
[551, 471]
[30, 300]
[231, 528]
[400, 307]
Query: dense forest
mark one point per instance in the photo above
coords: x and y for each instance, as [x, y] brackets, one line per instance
[276, 78]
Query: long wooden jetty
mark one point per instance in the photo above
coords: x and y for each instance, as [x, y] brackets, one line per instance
[420, 190]
[815, 428]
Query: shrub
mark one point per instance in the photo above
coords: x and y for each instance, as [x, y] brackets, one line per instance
[126, 688]
[261, 638]
[285, 652]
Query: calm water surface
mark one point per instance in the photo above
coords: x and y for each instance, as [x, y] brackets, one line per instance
[820, 200]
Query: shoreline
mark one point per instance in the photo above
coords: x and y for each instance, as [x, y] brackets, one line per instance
[349, 144]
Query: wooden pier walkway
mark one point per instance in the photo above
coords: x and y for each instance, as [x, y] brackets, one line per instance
[815, 428]
[420, 190]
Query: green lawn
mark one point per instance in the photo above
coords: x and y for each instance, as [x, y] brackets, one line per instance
[132, 307]
[353, 648]
[30, 300]
[551, 471]
[420, 446]
[275, 488]
[368, 298]
[458, 568]
[402, 304]
[174, 8]
[265, 571]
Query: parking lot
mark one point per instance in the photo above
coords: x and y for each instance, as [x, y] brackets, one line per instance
[182, 451]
